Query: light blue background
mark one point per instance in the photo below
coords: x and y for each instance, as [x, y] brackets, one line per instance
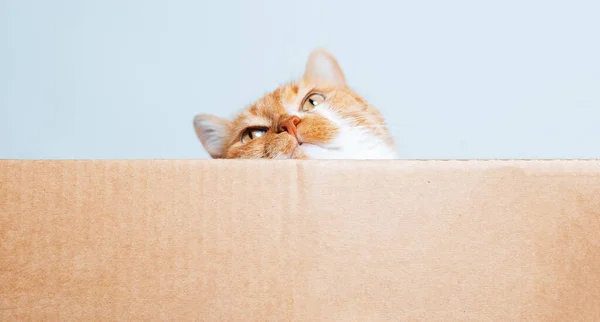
[455, 79]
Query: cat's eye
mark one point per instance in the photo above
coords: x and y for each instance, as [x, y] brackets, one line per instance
[252, 133]
[311, 101]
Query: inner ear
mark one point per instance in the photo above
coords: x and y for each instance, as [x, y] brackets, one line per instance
[212, 132]
[322, 69]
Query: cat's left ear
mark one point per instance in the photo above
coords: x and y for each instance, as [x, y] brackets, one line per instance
[322, 69]
[212, 132]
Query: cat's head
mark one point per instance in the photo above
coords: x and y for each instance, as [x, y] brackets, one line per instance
[317, 117]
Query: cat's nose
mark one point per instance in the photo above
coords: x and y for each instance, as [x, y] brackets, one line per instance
[289, 124]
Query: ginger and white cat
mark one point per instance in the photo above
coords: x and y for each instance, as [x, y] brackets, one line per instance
[318, 117]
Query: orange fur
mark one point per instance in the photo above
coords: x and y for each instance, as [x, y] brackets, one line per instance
[223, 138]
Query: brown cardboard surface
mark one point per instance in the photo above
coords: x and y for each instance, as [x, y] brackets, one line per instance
[306, 241]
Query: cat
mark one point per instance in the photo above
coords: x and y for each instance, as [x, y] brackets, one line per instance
[317, 117]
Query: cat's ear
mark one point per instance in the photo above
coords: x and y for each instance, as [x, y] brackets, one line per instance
[212, 132]
[323, 69]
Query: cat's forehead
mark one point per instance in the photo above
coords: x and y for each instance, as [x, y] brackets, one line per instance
[271, 106]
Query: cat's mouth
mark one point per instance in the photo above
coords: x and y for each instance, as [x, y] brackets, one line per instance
[306, 150]
[321, 146]
[306, 142]
[311, 143]
[309, 148]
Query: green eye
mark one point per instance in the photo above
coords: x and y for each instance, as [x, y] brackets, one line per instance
[251, 134]
[311, 101]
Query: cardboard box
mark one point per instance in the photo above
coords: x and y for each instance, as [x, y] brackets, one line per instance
[300, 240]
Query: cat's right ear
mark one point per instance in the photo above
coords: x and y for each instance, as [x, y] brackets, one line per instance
[323, 69]
[212, 132]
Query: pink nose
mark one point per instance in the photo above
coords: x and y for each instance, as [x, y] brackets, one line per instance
[288, 124]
